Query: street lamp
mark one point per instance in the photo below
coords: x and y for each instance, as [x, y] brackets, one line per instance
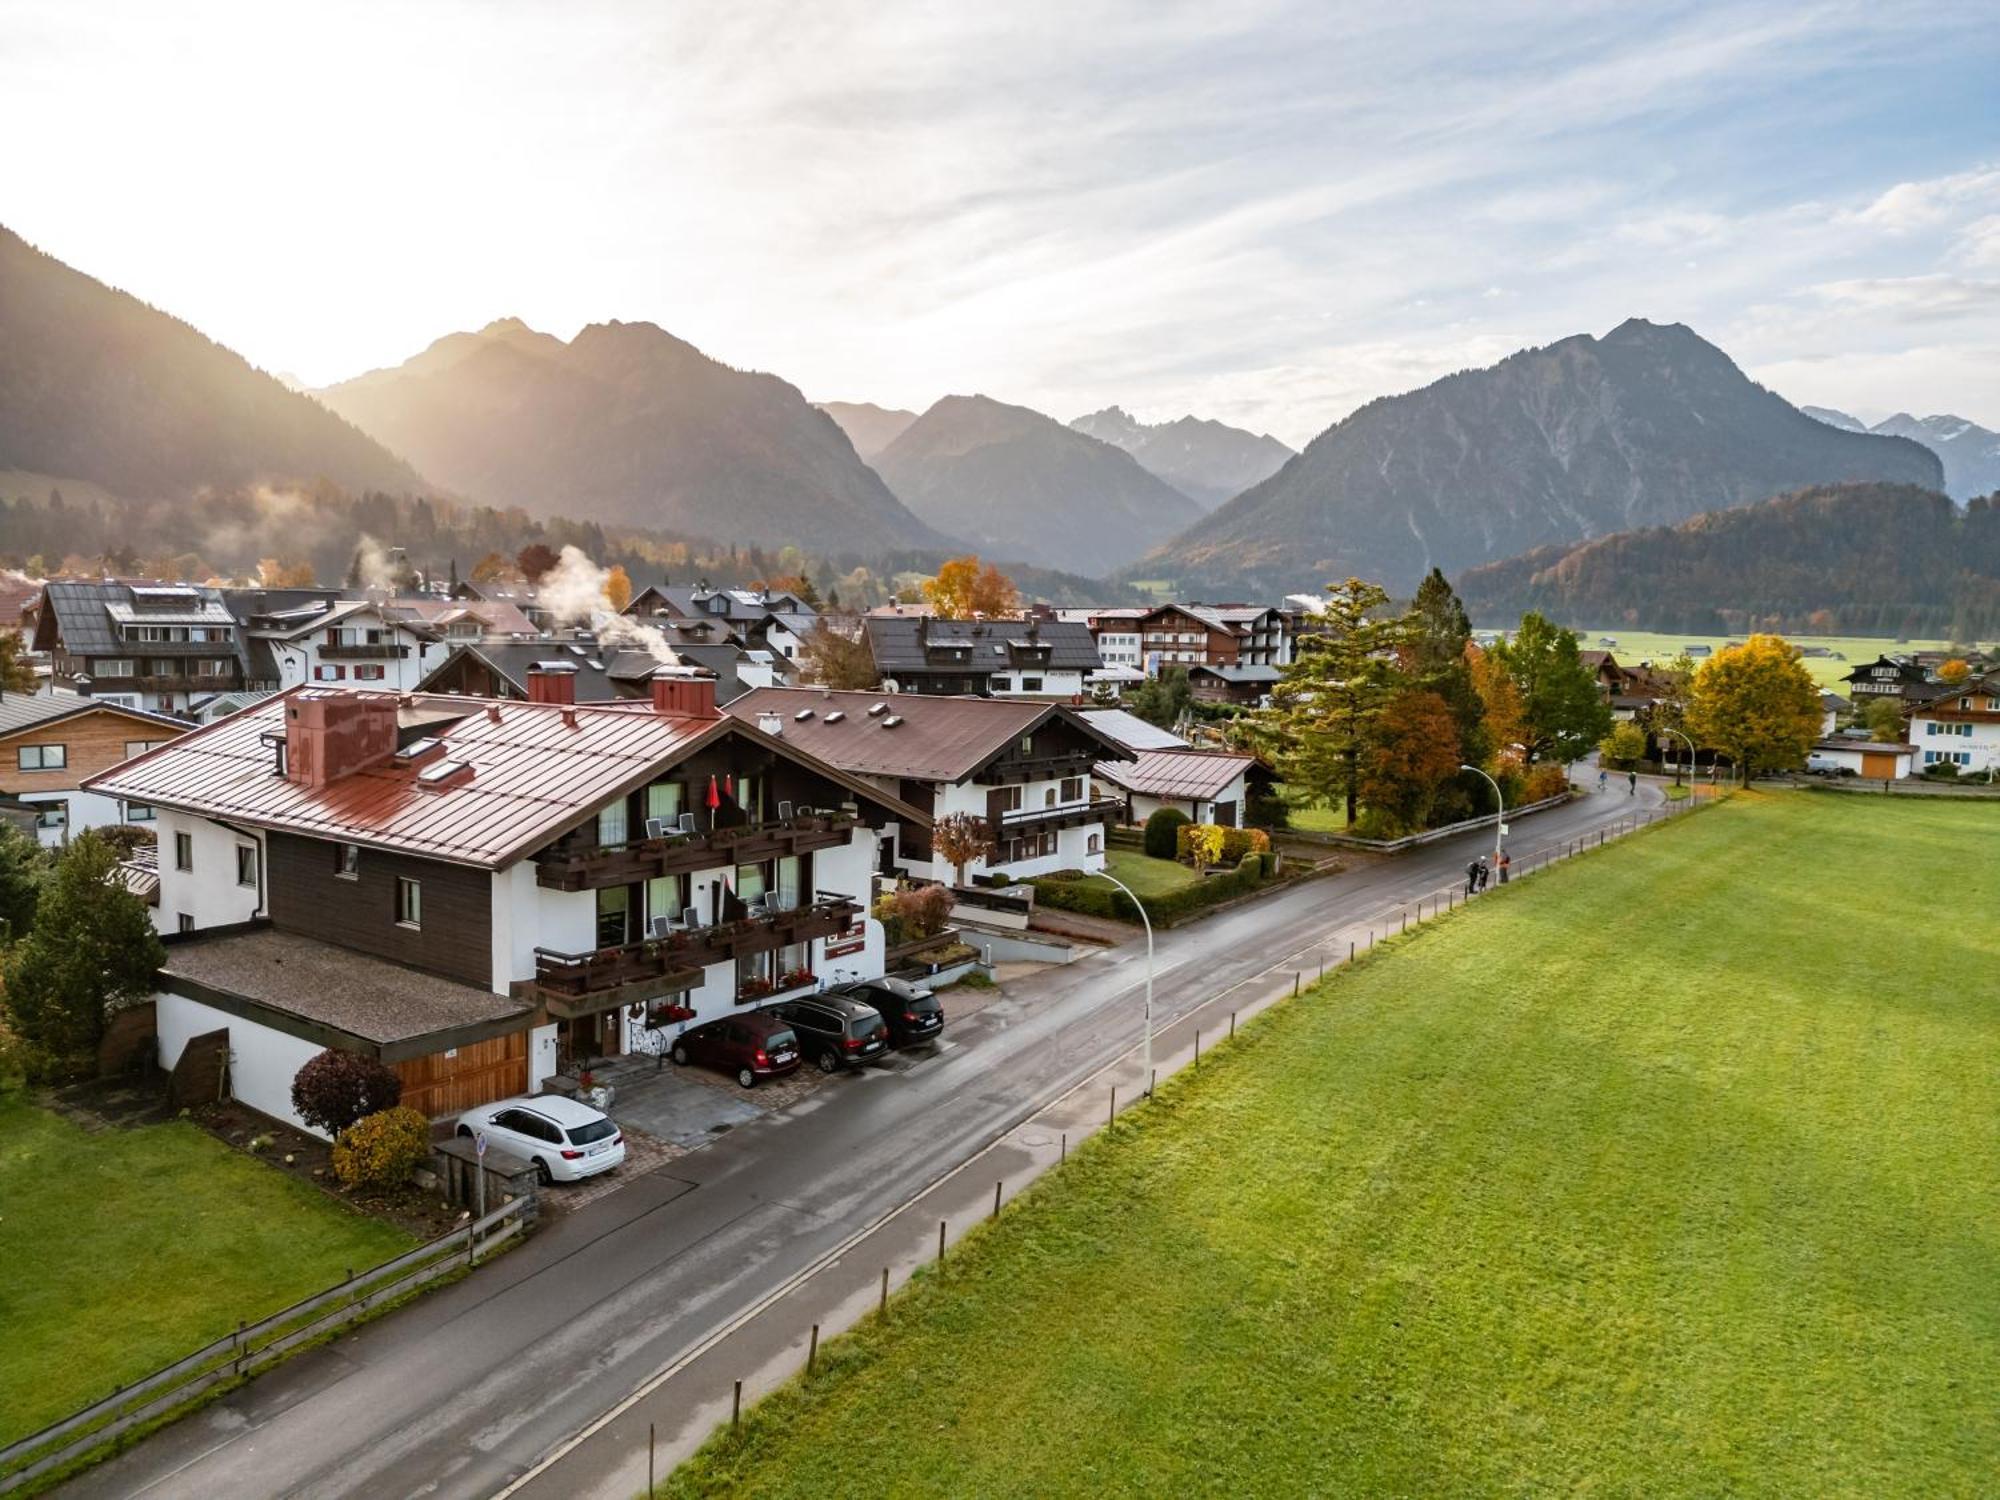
[1499, 802]
[1662, 729]
[1147, 1062]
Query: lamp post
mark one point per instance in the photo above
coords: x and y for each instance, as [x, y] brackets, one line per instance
[1690, 744]
[1147, 1062]
[1500, 804]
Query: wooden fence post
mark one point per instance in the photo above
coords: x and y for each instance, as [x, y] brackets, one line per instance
[812, 1350]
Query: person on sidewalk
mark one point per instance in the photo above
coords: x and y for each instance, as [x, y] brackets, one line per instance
[1603, 778]
[1506, 863]
[1633, 777]
[1485, 872]
[1471, 878]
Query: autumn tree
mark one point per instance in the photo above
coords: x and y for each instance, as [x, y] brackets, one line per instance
[1499, 700]
[1955, 670]
[536, 559]
[1204, 844]
[491, 568]
[1437, 633]
[1325, 705]
[965, 587]
[1757, 703]
[958, 839]
[618, 588]
[1884, 720]
[1563, 712]
[273, 573]
[1624, 747]
[836, 659]
[1413, 756]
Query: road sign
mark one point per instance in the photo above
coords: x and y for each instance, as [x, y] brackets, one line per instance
[479, 1142]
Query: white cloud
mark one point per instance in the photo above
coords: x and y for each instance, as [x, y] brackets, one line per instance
[1916, 297]
[1911, 206]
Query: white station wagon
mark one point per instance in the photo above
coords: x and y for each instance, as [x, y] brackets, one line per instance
[566, 1141]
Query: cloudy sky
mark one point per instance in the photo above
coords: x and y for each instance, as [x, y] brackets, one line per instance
[1263, 212]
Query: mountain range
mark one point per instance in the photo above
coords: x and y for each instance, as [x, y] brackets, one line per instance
[1207, 461]
[1856, 559]
[1017, 484]
[869, 427]
[1648, 425]
[626, 424]
[1970, 453]
[97, 386]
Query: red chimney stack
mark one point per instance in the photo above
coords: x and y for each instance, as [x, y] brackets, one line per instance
[685, 692]
[552, 682]
[329, 735]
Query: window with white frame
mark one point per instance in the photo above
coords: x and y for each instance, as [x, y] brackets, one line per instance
[183, 851]
[52, 814]
[409, 902]
[140, 747]
[347, 861]
[114, 666]
[246, 864]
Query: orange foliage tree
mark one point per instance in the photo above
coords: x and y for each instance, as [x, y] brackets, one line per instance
[965, 587]
[1413, 758]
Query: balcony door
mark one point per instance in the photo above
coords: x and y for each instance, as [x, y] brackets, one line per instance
[665, 799]
[666, 896]
[614, 916]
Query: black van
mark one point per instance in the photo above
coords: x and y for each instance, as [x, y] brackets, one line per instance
[836, 1032]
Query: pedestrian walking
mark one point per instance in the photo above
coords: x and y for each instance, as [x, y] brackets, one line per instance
[1603, 777]
[1471, 877]
[1485, 872]
[1633, 777]
[1506, 863]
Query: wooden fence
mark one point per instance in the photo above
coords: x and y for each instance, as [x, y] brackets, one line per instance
[253, 1348]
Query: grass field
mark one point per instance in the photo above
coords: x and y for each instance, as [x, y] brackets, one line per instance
[1828, 671]
[1147, 876]
[124, 1250]
[1541, 1200]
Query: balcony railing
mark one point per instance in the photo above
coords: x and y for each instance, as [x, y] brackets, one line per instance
[672, 964]
[1096, 809]
[589, 867]
[365, 651]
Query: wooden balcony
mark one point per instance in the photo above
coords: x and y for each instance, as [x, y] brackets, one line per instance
[367, 651]
[1069, 815]
[590, 867]
[577, 984]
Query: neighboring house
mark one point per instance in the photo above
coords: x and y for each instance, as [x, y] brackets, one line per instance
[1888, 676]
[1183, 635]
[350, 640]
[1960, 726]
[1865, 758]
[985, 658]
[1116, 632]
[777, 621]
[144, 645]
[1025, 768]
[1233, 682]
[601, 673]
[510, 595]
[1209, 786]
[50, 742]
[473, 890]
[1831, 707]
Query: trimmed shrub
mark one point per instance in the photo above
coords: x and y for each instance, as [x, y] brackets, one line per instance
[336, 1088]
[1164, 910]
[1163, 832]
[382, 1149]
[1236, 842]
[925, 910]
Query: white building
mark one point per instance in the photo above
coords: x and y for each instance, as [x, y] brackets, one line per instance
[479, 893]
[1209, 786]
[351, 642]
[1961, 727]
[1024, 770]
[50, 742]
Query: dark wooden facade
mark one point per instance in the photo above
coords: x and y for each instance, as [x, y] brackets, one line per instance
[309, 896]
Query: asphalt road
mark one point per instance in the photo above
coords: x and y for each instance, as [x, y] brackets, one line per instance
[464, 1391]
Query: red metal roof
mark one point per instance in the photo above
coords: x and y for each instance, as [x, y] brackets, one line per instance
[535, 769]
[1178, 773]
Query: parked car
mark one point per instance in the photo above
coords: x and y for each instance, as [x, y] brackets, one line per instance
[757, 1044]
[837, 1032]
[1818, 764]
[565, 1139]
[914, 1016]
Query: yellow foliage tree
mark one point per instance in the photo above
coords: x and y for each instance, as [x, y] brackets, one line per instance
[1505, 724]
[1757, 704]
[965, 587]
[275, 574]
[1955, 670]
[618, 588]
[492, 568]
[1204, 841]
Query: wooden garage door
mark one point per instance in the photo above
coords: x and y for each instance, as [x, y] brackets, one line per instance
[1878, 765]
[443, 1084]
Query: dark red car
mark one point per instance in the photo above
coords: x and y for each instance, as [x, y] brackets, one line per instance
[757, 1044]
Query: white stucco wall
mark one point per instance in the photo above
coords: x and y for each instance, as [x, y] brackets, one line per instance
[1940, 740]
[1199, 810]
[85, 810]
[262, 1062]
[208, 893]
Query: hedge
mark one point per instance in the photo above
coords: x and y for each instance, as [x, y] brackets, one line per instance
[1236, 842]
[1164, 911]
[1163, 831]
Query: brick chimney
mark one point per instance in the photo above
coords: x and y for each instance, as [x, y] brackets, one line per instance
[685, 692]
[552, 682]
[331, 734]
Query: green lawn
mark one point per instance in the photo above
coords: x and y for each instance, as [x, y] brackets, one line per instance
[1829, 672]
[123, 1251]
[1542, 1200]
[1316, 819]
[1147, 876]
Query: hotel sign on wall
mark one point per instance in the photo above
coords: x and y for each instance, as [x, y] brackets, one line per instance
[850, 939]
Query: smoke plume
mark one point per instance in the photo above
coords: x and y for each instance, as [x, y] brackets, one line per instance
[575, 592]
